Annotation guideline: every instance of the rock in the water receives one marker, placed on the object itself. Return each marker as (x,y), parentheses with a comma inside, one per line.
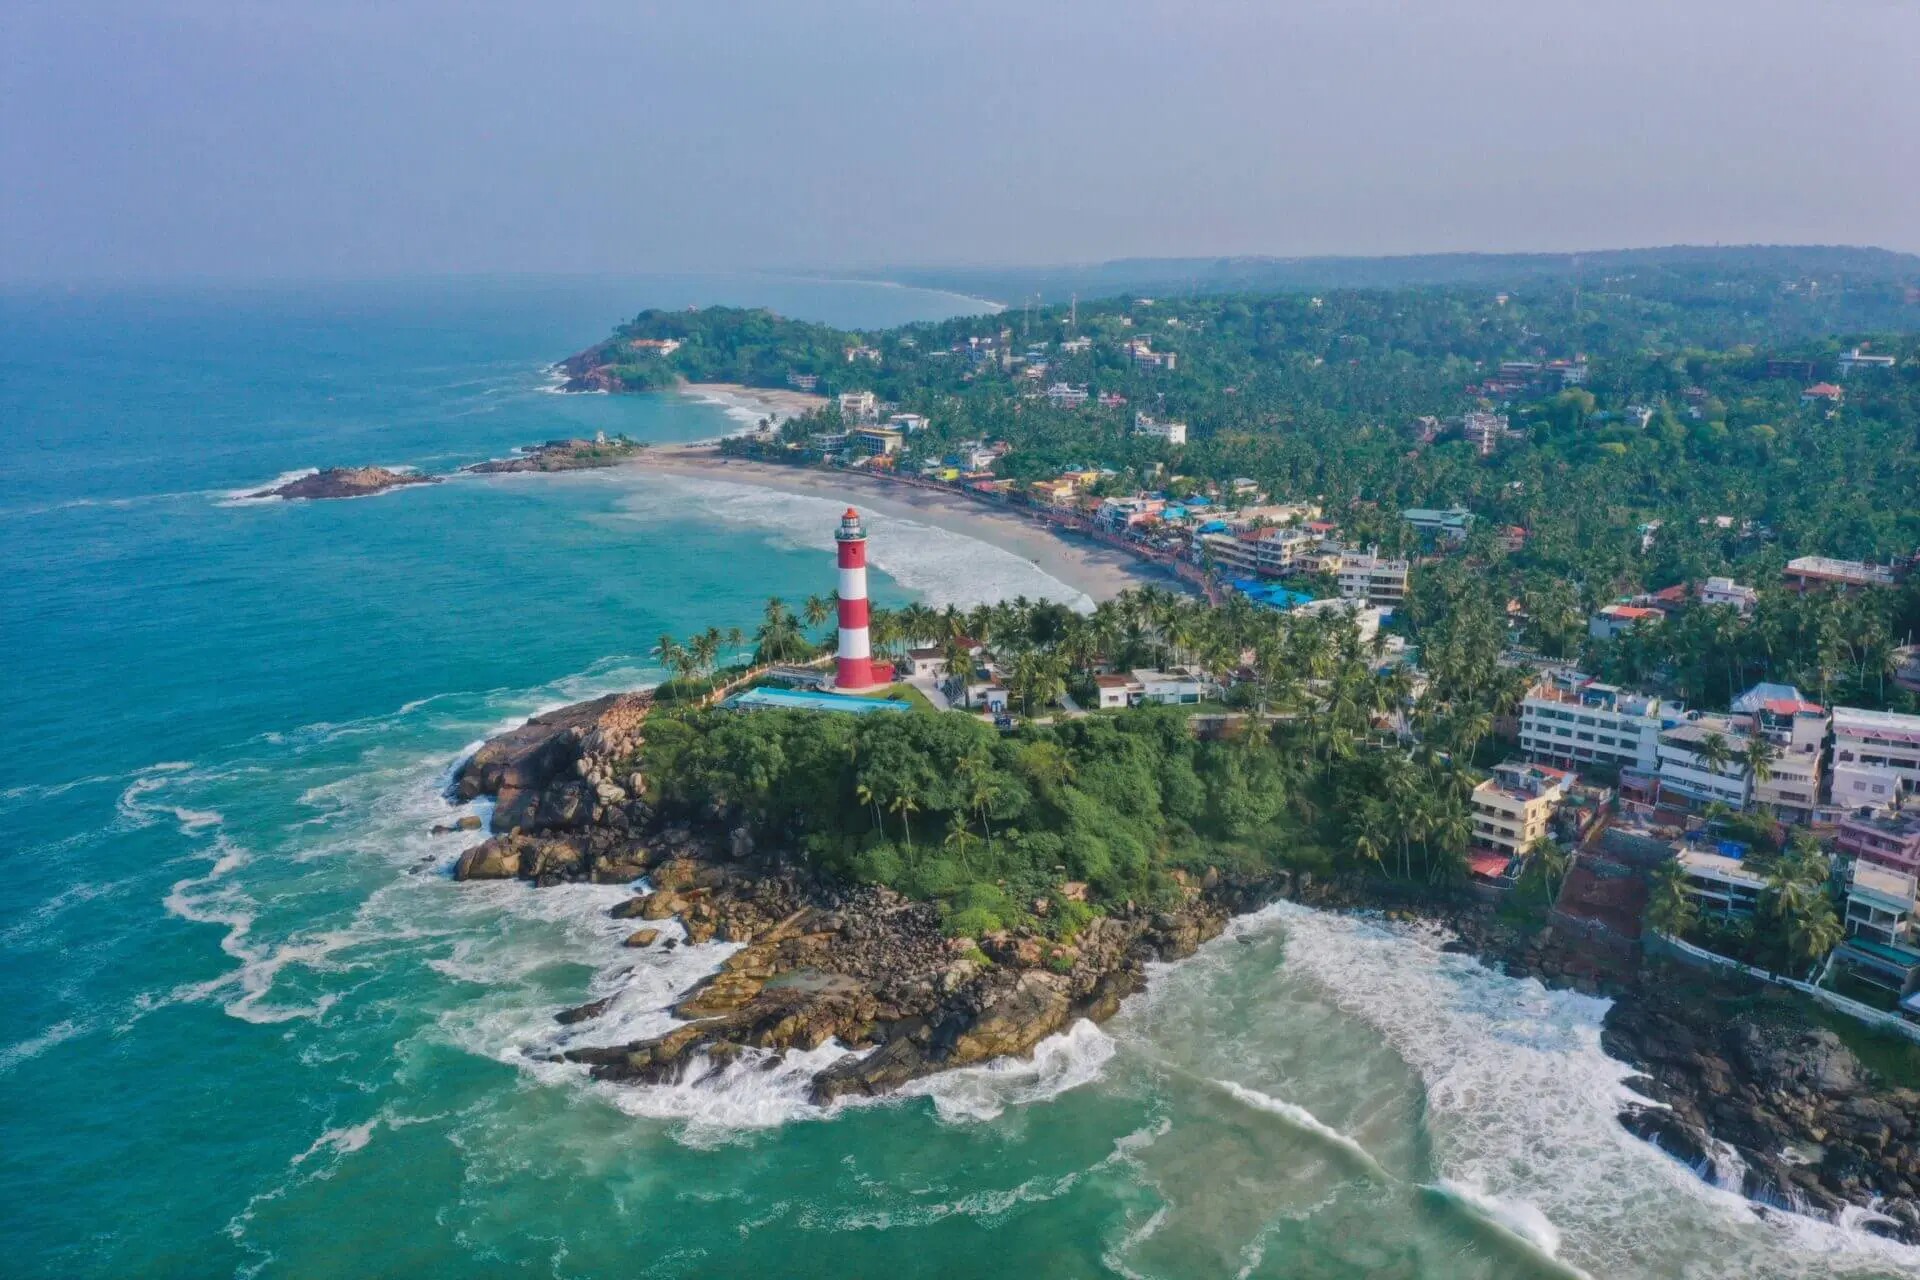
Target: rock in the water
(346,482)
(642,938)
(582,1013)
(495,859)
(563,455)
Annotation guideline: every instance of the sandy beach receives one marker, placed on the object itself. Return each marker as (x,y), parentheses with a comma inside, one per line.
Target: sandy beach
(767,402)
(1101,572)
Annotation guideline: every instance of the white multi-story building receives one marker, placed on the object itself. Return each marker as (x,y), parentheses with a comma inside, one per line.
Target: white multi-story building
(1806,573)
(1062,395)
(1375,579)
(1269,552)
(1719,881)
(1171,432)
(1175,686)
(1876,757)
(858,406)
(1728,592)
(1796,729)
(1485,431)
(1880,903)
(1857,359)
(1572,718)
(1511,809)
(1117,515)
(1686,772)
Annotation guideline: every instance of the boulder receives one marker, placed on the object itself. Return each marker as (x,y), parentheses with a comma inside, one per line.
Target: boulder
(495,859)
(582,1013)
(642,938)
(1034,1009)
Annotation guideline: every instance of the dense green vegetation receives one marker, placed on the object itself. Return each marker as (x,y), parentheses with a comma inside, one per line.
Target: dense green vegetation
(720,344)
(946,808)
(1688,449)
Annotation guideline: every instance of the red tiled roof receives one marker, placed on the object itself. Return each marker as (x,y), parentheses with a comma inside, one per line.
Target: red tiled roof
(1489,865)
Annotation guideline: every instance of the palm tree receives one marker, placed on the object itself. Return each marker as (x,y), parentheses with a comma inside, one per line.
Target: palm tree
(1814,930)
(818,609)
(664,648)
(958,840)
(1036,675)
(1370,834)
(903,804)
(1758,758)
(1550,862)
(778,638)
(1714,752)
(1670,908)
(866,795)
(705,649)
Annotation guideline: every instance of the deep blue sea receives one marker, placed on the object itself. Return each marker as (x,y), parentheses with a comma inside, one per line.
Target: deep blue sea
(249,1026)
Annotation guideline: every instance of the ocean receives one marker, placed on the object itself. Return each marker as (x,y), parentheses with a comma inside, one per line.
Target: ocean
(250,1027)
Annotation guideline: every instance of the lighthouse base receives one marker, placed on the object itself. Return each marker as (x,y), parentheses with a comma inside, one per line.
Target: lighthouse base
(863,676)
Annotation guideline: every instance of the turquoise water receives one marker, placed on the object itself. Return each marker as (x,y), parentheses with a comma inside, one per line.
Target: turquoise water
(248,1026)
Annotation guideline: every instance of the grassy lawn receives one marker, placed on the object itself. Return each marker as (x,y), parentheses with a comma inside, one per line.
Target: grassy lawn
(902,693)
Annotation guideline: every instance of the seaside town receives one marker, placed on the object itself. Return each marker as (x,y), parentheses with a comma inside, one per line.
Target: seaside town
(1706,829)
(935,642)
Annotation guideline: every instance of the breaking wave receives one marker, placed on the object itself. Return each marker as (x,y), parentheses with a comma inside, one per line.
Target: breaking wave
(939,565)
(1301,1118)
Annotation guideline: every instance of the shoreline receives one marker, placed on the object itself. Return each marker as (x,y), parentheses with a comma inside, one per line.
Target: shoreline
(763,402)
(1100,572)
(1704,1087)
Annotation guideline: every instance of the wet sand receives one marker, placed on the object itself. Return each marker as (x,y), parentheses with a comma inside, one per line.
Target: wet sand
(769,402)
(1102,572)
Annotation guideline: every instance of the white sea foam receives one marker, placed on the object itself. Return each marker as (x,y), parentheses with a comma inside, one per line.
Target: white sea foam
(1063,1061)
(745,410)
(1521,1104)
(937,564)
(1301,1118)
(341,1141)
(259,492)
(33,1046)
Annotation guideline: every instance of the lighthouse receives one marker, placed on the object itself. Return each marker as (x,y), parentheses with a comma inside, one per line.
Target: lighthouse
(854,666)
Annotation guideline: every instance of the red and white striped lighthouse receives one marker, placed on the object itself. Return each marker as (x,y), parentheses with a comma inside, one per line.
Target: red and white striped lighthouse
(854,667)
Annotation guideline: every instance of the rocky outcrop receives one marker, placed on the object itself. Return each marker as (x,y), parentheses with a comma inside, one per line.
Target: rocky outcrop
(1743,1071)
(598,368)
(571,770)
(563,455)
(346,482)
(821,961)
(869,969)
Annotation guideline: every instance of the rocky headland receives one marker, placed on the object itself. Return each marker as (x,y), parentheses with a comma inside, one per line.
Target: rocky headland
(821,960)
(345,482)
(1746,1087)
(563,455)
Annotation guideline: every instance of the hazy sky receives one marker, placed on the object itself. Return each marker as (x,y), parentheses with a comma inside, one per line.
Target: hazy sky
(352,137)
